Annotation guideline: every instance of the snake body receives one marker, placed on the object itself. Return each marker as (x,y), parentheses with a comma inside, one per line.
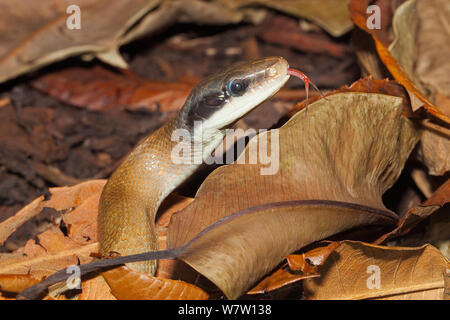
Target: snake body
(134,192)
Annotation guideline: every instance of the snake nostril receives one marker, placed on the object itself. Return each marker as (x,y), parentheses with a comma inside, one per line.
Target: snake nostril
(272,71)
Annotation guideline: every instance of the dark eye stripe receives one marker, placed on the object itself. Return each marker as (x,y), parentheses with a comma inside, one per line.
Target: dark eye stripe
(209,105)
(212,101)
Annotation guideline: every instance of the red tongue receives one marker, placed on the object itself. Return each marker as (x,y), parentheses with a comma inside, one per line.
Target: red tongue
(300,75)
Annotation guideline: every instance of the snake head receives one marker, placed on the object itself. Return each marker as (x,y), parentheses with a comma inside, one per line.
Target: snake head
(221,99)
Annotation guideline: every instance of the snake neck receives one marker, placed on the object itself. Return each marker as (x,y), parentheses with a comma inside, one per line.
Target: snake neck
(131,198)
(133,194)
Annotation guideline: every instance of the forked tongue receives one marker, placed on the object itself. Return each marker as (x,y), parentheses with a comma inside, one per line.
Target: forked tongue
(307,81)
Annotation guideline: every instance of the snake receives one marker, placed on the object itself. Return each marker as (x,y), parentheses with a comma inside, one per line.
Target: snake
(135,190)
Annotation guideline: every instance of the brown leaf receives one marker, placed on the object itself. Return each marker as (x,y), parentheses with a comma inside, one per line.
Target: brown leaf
(367,85)
(432,42)
(288,33)
(280,278)
(99,89)
(435,148)
(359,17)
(63,198)
(351,272)
(135,285)
(16,282)
(332,15)
(95,289)
(216,12)
(306,263)
(42,264)
(317,148)
(10,225)
(43,36)
(56,251)
(414,59)
(420,45)
(250,246)
(365,51)
(312,258)
(414,215)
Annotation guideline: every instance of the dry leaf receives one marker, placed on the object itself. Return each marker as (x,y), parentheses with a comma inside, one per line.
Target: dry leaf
(432,65)
(43,36)
(359,17)
(421,46)
(17,283)
(365,132)
(354,269)
(367,85)
(414,215)
(56,251)
(10,225)
(413,58)
(332,15)
(280,278)
(99,89)
(95,289)
(127,284)
(286,32)
(306,263)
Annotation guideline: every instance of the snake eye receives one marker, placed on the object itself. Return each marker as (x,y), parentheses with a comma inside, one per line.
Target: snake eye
(236,87)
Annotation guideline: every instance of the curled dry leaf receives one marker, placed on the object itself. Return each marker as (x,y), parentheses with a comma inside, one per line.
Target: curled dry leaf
(347,148)
(365,51)
(280,278)
(127,284)
(421,45)
(310,260)
(215,12)
(305,263)
(414,215)
(416,59)
(43,36)
(332,15)
(252,242)
(366,85)
(382,40)
(10,225)
(17,283)
(358,270)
